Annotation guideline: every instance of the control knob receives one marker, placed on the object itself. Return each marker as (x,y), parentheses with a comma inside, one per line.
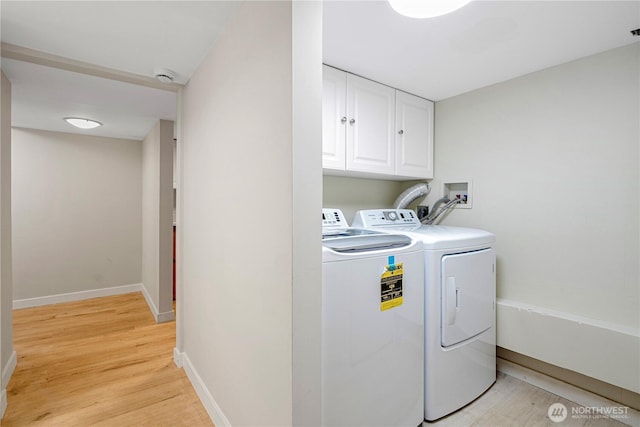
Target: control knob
(392,216)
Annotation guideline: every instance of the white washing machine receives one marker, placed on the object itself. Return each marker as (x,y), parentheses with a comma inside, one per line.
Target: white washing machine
(460,294)
(372,326)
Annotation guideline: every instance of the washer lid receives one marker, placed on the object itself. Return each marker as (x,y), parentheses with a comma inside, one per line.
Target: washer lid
(366,242)
(330,233)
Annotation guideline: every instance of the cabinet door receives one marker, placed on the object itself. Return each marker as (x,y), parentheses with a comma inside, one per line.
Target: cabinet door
(414,136)
(370,126)
(334,98)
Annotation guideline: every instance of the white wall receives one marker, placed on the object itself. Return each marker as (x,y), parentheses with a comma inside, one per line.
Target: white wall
(76,214)
(554,158)
(7,354)
(353,194)
(307,202)
(244,222)
(157,220)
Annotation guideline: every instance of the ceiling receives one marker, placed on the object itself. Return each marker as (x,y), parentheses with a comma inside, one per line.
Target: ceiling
(484,43)
(43,96)
(135,37)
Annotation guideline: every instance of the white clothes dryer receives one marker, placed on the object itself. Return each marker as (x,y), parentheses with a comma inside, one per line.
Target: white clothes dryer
(372,327)
(460,294)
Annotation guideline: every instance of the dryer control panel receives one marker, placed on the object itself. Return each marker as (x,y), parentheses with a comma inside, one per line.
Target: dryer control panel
(385,218)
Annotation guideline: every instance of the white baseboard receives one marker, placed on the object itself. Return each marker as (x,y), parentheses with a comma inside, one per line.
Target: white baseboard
(7,371)
(209,403)
(566,391)
(3,402)
(76,296)
(166,316)
(177,357)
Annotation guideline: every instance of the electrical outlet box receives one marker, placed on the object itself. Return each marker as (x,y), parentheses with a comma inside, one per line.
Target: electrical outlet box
(461,189)
(422,211)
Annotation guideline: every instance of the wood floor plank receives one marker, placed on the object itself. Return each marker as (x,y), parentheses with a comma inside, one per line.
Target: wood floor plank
(514,403)
(100,362)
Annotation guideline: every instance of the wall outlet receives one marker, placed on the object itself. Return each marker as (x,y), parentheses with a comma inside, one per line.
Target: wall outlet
(422,211)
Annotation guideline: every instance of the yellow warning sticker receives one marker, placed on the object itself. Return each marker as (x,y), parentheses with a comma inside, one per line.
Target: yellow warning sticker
(391,287)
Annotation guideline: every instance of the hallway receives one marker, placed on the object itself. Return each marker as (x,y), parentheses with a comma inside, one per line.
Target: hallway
(99,362)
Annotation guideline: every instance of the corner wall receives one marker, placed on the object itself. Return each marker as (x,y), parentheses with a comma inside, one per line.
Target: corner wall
(307,204)
(76,216)
(554,158)
(245,252)
(7,354)
(157,220)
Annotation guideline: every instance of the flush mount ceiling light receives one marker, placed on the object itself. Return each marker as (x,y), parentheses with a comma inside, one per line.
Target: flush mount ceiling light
(82,123)
(426,8)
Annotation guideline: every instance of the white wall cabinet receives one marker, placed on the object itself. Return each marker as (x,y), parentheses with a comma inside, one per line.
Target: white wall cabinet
(334,118)
(414,136)
(373,130)
(370,126)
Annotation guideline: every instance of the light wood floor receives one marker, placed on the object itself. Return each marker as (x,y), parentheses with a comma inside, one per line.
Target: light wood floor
(100,362)
(105,362)
(514,403)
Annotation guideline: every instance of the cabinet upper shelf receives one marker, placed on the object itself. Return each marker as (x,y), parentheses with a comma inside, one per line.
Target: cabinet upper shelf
(373,130)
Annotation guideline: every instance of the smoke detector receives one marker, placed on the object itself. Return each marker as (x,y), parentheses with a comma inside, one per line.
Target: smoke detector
(165,75)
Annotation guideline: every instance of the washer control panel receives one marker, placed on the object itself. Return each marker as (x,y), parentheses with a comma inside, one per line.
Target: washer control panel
(333,218)
(385,218)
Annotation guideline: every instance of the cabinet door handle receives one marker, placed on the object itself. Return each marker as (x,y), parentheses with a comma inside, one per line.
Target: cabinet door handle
(352,121)
(401,132)
(343,120)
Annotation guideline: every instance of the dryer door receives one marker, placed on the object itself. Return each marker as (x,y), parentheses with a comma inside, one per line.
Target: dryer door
(468,289)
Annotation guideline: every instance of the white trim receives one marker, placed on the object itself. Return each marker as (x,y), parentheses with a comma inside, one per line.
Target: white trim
(610,326)
(179,239)
(567,341)
(564,390)
(152,306)
(166,316)
(209,403)
(7,371)
(33,56)
(76,296)
(3,402)
(177,357)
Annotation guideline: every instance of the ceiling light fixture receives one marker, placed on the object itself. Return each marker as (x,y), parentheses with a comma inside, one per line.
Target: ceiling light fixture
(82,123)
(426,8)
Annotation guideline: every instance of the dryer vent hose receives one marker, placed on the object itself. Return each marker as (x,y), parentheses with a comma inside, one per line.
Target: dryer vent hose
(410,194)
